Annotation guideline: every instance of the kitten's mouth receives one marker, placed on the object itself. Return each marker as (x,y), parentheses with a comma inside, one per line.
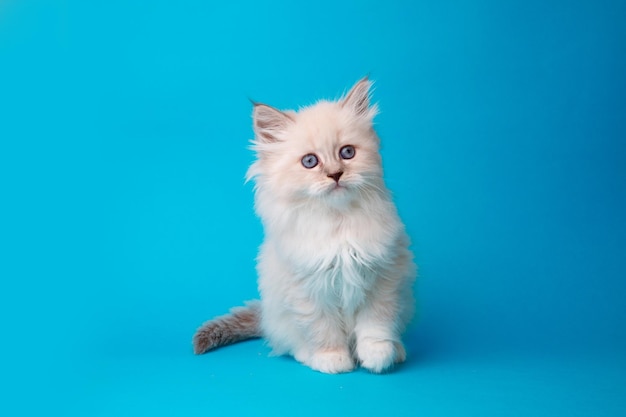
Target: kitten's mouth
(337,188)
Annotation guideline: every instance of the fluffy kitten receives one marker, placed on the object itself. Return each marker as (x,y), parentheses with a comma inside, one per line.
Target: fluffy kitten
(335,271)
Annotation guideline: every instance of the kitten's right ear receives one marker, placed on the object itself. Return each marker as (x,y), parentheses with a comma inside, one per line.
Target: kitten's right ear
(269,123)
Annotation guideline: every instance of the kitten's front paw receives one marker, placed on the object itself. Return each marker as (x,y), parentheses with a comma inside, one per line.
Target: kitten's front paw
(378,355)
(332,361)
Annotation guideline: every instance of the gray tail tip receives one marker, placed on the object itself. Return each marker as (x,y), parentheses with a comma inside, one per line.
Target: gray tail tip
(201,344)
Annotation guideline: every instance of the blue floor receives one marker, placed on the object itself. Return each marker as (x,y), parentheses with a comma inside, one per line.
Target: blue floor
(243,381)
(125,221)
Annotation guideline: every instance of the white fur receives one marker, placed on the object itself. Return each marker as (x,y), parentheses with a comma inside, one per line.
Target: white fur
(335,272)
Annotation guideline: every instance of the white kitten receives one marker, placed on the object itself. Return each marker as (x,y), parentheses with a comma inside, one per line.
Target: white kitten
(335,271)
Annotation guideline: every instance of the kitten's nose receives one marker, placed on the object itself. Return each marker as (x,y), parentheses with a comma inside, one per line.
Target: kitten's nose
(336,176)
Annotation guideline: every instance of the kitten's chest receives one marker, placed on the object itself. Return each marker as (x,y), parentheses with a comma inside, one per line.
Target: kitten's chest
(348,244)
(339,258)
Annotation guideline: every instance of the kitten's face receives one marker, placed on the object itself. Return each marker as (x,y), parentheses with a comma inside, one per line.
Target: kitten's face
(327,151)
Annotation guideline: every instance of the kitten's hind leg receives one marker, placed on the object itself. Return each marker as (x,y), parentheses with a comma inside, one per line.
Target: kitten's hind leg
(400,352)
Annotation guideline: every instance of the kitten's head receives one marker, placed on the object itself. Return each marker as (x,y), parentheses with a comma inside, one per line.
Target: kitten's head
(327,152)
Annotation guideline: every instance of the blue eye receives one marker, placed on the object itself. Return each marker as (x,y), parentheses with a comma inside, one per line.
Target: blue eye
(309,161)
(347,152)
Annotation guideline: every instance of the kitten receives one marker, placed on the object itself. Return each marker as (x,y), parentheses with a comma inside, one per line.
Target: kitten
(335,271)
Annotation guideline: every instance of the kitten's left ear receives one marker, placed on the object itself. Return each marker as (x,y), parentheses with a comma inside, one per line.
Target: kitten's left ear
(358,99)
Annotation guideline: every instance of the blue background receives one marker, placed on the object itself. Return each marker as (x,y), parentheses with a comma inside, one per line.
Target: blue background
(125,221)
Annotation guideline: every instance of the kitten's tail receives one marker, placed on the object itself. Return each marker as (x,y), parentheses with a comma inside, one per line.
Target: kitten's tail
(240,324)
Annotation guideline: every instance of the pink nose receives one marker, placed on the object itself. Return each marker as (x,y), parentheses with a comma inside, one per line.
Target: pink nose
(336,176)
